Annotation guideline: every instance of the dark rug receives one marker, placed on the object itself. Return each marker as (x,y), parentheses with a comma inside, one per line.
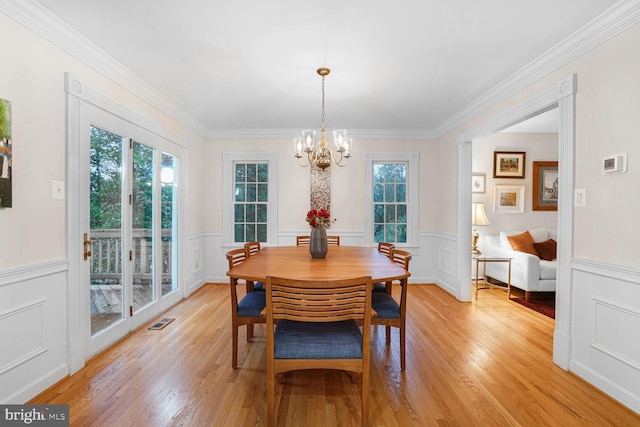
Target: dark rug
(544,306)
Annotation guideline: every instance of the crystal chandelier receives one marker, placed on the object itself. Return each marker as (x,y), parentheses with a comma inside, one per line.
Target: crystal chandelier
(322,156)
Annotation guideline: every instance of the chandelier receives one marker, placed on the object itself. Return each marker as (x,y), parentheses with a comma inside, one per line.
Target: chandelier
(322,155)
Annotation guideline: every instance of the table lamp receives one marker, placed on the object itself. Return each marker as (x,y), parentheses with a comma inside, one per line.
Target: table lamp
(478,217)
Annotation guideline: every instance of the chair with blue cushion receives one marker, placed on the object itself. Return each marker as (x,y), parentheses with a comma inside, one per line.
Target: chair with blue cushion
(245,311)
(392,313)
(384,248)
(314,325)
(254,248)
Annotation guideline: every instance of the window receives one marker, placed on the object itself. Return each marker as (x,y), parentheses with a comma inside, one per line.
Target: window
(391,198)
(251,183)
(390,202)
(250,209)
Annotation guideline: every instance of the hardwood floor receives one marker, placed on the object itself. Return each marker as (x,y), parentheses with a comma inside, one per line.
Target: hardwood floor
(486,363)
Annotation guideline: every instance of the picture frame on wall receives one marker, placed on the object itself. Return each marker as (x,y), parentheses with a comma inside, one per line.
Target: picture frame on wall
(509,164)
(508,199)
(478,183)
(545,186)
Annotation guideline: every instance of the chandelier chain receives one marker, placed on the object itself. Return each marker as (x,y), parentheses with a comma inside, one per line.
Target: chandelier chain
(323,104)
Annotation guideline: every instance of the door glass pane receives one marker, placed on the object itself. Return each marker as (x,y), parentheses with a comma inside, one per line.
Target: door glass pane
(169,221)
(105,208)
(142,223)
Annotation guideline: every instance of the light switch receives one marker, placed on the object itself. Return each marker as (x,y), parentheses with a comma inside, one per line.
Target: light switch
(580,198)
(57,188)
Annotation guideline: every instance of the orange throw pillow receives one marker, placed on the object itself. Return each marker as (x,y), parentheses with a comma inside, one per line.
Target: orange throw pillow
(523,243)
(547,249)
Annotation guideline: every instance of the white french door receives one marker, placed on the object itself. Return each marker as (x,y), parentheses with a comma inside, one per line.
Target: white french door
(129,225)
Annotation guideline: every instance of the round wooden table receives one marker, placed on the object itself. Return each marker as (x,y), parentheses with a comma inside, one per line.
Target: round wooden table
(341,262)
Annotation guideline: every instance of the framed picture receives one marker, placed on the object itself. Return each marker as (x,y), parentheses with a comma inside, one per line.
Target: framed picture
(508,199)
(545,186)
(508,164)
(478,183)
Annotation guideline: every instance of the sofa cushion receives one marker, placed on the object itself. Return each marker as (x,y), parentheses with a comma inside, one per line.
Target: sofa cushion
(548,270)
(523,243)
(547,249)
(504,242)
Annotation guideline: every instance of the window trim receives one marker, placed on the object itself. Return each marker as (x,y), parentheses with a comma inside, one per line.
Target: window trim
(412,159)
(229,159)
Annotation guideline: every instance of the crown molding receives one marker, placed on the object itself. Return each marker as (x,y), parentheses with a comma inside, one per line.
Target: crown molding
(610,23)
(357,134)
(41,21)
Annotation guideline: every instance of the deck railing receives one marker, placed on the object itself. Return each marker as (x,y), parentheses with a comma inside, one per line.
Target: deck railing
(106,254)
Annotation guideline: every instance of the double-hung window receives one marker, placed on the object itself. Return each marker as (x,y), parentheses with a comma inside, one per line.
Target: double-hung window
(250,192)
(391,198)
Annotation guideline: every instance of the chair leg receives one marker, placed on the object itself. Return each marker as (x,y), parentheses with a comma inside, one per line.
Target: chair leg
(388,332)
(234,346)
(402,353)
(249,332)
(271,397)
(364,378)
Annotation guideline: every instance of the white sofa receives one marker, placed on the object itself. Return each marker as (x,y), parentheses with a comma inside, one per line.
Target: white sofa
(528,272)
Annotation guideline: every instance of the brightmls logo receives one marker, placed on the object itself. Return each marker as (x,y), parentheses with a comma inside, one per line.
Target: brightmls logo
(34,415)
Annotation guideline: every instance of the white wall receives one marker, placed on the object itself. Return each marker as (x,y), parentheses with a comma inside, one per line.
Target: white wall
(538,147)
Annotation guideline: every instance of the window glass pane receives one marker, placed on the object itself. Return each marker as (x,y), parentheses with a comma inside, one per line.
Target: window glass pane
(263,172)
(239,213)
(263,191)
(238,233)
(378,193)
(169,222)
(250,214)
(389,170)
(252,173)
(389,193)
(262,232)
(261,214)
(402,214)
(240,193)
(241,172)
(401,233)
(378,173)
(401,173)
(378,233)
(250,233)
(401,193)
(390,214)
(390,233)
(251,193)
(378,213)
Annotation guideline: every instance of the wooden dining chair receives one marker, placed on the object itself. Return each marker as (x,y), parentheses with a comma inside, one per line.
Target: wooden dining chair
(392,313)
(247,310)
(384,248)
(314,325)
(306,240)
(254,248)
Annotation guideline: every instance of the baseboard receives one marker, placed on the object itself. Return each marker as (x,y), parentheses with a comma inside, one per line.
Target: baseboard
(29,391)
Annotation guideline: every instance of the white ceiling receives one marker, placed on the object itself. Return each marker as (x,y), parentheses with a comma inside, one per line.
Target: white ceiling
(402,66)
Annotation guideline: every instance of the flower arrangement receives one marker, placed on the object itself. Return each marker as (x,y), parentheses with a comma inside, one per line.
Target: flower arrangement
(318,217)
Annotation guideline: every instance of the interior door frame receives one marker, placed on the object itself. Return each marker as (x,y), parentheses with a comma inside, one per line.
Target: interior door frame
(78,97)
(562,95)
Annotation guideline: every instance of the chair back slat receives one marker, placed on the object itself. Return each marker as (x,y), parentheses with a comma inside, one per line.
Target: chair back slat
(303,240)
(253,247)
(400,257)
(237,256)
(385,247)
(333,240)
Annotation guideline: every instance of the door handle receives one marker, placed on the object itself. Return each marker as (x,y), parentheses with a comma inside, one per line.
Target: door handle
(87,246)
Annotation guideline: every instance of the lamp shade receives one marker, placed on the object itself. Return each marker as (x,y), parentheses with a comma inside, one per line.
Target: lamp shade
(478,216)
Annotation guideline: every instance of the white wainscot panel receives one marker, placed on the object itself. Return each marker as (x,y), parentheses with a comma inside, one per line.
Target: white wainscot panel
(616,342)
(18,346)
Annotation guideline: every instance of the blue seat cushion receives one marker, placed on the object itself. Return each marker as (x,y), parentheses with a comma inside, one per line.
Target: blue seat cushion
(331,340)
(385,306)
(258,286)
(252,304)
(379,287)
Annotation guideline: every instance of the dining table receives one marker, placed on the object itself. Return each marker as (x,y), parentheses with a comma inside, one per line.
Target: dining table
(341,262)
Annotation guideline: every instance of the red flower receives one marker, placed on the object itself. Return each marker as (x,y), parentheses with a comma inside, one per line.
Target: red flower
(318,217)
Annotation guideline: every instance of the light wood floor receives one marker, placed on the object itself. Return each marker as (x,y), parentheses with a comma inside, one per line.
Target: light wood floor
(468,364)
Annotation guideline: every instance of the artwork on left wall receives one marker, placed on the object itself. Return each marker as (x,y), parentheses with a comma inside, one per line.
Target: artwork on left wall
(6,162)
